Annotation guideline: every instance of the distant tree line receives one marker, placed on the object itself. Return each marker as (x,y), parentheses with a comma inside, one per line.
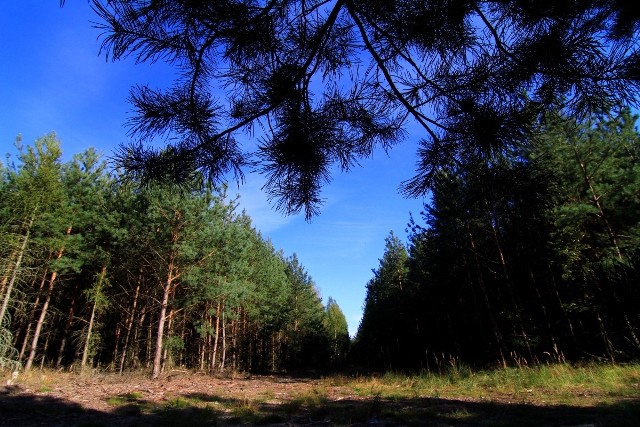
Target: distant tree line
(529,256)
(97,273)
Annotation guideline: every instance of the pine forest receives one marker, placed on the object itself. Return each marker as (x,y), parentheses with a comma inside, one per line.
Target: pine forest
(97,273)
(530,256)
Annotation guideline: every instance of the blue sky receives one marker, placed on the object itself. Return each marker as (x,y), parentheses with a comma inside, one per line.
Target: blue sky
(54,80)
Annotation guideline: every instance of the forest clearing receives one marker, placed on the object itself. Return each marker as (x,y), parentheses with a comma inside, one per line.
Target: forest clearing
(546,395)
(137,290)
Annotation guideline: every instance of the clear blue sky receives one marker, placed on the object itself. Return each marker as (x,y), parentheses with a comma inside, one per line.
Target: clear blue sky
(54,80)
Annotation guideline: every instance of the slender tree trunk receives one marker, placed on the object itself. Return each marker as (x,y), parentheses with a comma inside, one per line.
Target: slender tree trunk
(234,340)
(43,313)
(605,337)
(596,201)
(166,354)
(32,314)
(183,338)
(612,238)
(224,342)
(496,329)
(40,323)
(25,340)
(87,342)
(116,347)
(136,338)
(273,352)
(503,264)
(16,268)
(206,339)
(545,314)
(157,359)
(150,344)
(44,352)
(167,288)
(8,270)
(65,332)
(21,321)
(556,293)
(129,327)
(216,339)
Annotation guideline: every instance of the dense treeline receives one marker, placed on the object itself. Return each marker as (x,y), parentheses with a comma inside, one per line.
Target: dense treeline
(94,272)
(529,256)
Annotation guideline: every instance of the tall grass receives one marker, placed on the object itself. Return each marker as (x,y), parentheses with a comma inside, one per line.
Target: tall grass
(560,383)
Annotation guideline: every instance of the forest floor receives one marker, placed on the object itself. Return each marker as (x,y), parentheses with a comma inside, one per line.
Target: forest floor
(590,398)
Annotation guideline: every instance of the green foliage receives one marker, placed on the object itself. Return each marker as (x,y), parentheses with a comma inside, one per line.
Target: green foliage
(309,344)
(328,83)
(377,343)
(8,354)
(528,257)
(116,250)
(337,329)
(596,172)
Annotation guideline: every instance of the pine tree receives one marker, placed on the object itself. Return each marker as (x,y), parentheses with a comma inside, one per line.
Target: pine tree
(337,329)
(378,339)
(330,82)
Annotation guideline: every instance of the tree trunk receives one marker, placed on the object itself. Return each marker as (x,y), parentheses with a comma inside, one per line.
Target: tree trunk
(205,339)
(116,347)
(492,220)
(612,238)
(44,352)
(183,336)
(172,275)
(157,359)
(596,201)
(494,324)
(43,313)
(16,268)
(166,354)
(224,343)
(605,337)
(32,315)
(67,328)
(87,342)
(130,320)
(8,269)
(216,339)
(136,334)
(148,360)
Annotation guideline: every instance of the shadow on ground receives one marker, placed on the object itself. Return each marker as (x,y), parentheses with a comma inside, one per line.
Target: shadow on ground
(18,408)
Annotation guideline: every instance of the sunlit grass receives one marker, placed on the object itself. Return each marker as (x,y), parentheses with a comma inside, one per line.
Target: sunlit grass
(124,399)
(557,383)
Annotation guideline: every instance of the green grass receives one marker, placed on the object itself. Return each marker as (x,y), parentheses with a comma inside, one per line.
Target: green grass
(45,389)
(124,399)
(558,383)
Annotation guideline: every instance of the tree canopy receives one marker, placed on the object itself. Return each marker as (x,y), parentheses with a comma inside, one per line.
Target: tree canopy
(94,272)
(537,261)
(323,83)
